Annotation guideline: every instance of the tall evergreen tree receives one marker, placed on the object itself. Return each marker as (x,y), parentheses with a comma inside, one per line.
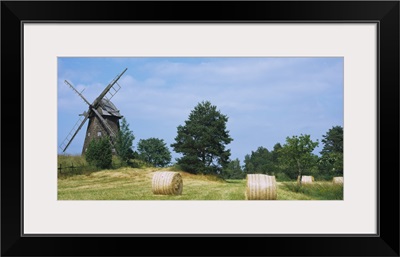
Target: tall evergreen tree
(331,160)
(202,140)
(333,140)
(124,142)
(277,166)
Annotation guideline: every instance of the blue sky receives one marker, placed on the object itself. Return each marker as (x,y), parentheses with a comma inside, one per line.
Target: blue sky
(265,99)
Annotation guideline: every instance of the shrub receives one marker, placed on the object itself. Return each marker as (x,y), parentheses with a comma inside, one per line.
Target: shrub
(154,151)
(68,165)
(175,167)
(280,176)
(99,153)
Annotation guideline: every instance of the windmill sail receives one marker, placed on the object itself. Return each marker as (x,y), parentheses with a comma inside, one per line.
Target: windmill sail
(105,124)
(113,90)
(76,91)
(75,129)
(107,89)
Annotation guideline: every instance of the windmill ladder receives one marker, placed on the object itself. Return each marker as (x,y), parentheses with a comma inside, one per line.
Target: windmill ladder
(64,143)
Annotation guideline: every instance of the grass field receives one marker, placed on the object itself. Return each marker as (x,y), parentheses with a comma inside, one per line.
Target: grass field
(135,184)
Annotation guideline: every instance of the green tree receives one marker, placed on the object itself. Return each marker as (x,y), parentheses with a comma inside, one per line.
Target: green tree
(276,153)
(297,154)
(202,140)
(277,167)
(259,161)
(331,160)
(124,142)
(154,151)
(234,170)
(99,153)
(333,140)
(331,164)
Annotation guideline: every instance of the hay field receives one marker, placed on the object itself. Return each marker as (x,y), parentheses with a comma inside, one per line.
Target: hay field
(136,184)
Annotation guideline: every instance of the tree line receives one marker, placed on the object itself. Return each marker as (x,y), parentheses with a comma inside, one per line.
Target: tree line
(202,142)
(294,158)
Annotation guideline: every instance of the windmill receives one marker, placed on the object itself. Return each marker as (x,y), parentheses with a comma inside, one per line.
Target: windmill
(102,114)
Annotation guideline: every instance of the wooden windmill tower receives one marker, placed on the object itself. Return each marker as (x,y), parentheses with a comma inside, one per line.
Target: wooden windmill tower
(102,114)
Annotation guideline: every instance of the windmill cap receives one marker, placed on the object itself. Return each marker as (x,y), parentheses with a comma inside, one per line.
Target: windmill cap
(109,108)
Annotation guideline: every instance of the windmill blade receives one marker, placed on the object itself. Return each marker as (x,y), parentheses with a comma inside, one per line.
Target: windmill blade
(108,128)
(105,124)
(76,91)
(74,131)
(113,90)
(96,102)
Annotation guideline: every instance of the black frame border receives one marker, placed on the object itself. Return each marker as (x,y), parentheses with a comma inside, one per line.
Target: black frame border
(383,13)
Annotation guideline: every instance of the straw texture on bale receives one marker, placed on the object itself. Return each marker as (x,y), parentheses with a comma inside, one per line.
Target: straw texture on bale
(337,180)
(167,183)
(306,179)
(260,187)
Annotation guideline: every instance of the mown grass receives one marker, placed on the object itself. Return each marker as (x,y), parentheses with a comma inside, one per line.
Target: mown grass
(135,184)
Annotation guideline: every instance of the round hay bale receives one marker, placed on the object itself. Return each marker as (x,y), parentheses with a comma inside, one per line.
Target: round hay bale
(306,179)
(167,183)
(337,180)
(260,187)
